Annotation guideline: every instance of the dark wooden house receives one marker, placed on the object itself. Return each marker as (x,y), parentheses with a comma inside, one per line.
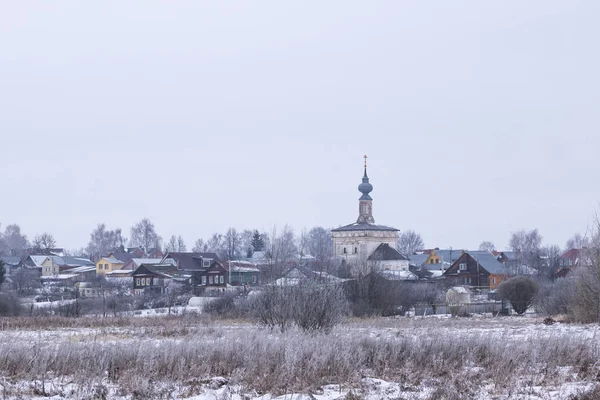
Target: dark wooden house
(478,269)
(152,277)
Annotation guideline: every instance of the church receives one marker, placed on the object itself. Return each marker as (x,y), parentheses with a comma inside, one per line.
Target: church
(364,245)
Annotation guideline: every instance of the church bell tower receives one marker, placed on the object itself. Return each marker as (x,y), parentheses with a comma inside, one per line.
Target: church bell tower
(365,202)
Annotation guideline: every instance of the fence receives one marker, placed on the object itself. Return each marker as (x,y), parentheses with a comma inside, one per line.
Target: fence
(462,309)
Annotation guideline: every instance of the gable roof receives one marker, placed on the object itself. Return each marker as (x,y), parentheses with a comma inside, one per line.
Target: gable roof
(111,260)
(398,275)
(418,259)
(11,261)
(121,256)
(166,270)
(449,255)
(189,261)
(385,252)
(488,262)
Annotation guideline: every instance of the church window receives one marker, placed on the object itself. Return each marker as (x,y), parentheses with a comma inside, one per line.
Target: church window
(356,250)
(344,251)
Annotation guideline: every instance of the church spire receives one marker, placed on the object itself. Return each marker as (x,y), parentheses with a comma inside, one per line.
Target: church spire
(365,206)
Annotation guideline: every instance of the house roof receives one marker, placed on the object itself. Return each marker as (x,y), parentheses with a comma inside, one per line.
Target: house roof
(449,255)
(418,259)
(190,261)
(8,260)
(488,262)
(364,227)
(158,269)
(571,254)
(113,260)
(140,261)
(82,269)
(235,268)
(385,252)
(75,261)
(398,275)
(122,256)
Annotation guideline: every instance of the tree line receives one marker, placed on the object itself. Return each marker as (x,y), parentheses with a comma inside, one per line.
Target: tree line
(279,245)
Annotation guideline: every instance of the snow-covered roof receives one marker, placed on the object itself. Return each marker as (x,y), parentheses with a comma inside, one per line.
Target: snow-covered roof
(120,272)
(59,277)
(82,269)
(402,275)
(38,260)
(140,261)
(112,260)
(235,268)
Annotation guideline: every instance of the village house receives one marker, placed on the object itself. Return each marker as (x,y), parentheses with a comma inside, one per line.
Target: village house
(108,264)
(243,273)
(153,278)
(387,258)
(478,269)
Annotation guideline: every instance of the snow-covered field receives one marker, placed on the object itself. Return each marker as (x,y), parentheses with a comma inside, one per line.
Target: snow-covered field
(194,357)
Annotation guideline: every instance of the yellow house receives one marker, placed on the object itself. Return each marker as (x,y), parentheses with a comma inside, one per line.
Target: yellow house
(108,264)
(49,267)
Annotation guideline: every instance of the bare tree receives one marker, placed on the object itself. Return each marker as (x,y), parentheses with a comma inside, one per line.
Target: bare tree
(246,242)
(577,241)
(551,254)
(233,244)
(103,241)
(200,246)
(282,247)
(44,241)
(216,245)
(144,234)
(15,241)
(176,244)
(320,245)
(527,246)
(24,280)
(409,242)
(487,246)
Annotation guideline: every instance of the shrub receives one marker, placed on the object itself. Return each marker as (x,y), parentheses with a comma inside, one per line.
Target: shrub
(554,297)
(10,305)
(310,306)
(221,306)
(374,295)
(520,291)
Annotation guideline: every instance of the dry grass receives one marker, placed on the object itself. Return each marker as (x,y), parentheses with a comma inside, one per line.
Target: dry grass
(145,355)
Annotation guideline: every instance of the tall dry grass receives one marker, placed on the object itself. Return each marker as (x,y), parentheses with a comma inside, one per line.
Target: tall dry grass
(275,362)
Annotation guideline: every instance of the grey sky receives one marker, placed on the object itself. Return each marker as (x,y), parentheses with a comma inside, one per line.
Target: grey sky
(479,118)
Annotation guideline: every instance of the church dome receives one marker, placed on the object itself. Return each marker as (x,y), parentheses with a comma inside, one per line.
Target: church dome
(365,187)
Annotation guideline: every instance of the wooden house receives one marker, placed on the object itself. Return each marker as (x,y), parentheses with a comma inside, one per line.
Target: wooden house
(478,269)
(152,277)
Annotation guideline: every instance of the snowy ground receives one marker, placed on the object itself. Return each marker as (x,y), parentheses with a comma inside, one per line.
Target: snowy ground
(539,379)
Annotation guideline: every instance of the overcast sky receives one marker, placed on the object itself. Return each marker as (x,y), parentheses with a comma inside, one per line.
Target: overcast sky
(479,118)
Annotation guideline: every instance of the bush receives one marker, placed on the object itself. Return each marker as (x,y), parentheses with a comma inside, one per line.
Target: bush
(374,295)
(584,297)
(553,298)
(222,306)
(309,306)
(10,305)
(520,291)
